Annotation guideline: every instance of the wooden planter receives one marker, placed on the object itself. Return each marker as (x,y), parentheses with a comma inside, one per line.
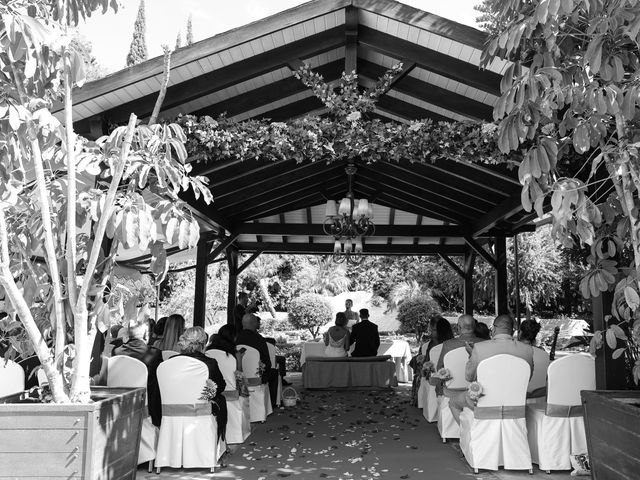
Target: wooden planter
(96,441)
(612,421)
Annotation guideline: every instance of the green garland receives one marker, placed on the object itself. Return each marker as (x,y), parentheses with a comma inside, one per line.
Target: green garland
(346,134)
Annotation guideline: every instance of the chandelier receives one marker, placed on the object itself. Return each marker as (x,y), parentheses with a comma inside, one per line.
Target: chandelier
(347,222)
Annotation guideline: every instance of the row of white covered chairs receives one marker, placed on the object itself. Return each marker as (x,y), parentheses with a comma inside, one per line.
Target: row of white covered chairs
(508,430)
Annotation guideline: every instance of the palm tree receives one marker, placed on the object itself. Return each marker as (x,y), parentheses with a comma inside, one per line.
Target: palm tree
(321,275)
(263,269)
(407,290)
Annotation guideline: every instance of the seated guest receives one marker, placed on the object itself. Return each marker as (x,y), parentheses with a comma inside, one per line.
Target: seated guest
(466,327)
(250,337)
(191,344)
(136,347)
(502,341)
(173,329)
(224,340)
(336,338)
(156,330)
(365,336)
(441,333)
(529,330)
(482,331)
(239,311)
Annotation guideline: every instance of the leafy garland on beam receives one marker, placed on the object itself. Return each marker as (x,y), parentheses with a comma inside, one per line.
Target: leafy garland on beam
(346,133)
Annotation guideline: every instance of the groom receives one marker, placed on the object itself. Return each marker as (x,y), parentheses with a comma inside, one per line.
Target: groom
(364,335)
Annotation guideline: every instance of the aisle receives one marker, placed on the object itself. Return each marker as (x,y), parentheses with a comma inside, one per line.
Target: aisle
(346,435)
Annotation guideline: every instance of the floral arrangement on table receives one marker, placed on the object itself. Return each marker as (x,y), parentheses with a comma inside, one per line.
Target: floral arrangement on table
(210,391)
(241,384)
(474,392)
(441,376)
(428,368)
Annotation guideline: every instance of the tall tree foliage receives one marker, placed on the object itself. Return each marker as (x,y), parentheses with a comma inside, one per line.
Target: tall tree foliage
(189,30)
(179,41)
(569,107)
(138,49)
(61,195)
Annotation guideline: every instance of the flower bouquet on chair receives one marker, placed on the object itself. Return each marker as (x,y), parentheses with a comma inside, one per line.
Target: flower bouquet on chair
(241,384)
(474,392)
(209,393)
(428,369)
(262,368)
(440,377)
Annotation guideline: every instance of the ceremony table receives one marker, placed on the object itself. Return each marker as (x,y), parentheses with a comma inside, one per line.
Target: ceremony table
(398,350)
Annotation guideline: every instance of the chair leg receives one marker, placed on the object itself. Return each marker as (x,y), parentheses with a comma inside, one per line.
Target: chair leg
(444,440)
(157,470)
(213,469)
(150,466)
(475,470)
(531,471)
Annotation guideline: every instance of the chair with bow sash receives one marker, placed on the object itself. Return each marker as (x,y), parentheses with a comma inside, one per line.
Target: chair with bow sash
(430,398)
(167,354)
(259,398)
(455,361)
(189,432)
(556,427)
(495,432)
(272,357)
(422,389)
(11,378)
(238,414)
(123,371)
(538,379)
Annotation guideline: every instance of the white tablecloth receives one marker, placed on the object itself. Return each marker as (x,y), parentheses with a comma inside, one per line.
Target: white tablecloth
(398,349)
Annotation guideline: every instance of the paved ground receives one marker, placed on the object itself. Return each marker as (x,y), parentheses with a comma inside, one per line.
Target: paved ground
(347,436)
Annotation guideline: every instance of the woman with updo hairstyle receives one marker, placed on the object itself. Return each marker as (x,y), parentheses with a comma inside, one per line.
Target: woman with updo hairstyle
(192,343)
(336,338)
(529,330)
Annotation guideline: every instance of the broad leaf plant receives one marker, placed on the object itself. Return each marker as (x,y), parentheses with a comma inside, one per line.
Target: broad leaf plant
(68,204)
(569,111)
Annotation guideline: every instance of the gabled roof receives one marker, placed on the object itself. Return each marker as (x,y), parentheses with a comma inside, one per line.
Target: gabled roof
(247,73)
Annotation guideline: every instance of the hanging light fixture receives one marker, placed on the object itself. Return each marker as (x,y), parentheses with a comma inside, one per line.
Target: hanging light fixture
(348,221)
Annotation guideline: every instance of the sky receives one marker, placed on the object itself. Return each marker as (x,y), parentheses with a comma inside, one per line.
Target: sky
(111,34)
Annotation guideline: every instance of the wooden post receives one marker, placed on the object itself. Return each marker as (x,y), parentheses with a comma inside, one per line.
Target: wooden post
(516,279)
(610,373)
(501,303)
(469,264)
(232,261)
(200,290)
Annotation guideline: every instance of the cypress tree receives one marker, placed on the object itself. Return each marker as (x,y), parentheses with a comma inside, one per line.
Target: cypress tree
(189,31)
(138,48)
(178,41)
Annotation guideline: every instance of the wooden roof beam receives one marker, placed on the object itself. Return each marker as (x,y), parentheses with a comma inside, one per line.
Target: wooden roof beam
(452,265)
(479,249)
(210,212)
(369,249)
(351,40)
(507,208)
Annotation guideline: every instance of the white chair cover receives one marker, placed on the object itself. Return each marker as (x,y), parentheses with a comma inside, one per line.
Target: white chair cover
(123,371)
(430,399)
(167,354)
(495,433)
(272,357)
(422,387)
(556,427)
(259,399)
(238,414)
(11,378)
(540,365)
(455,361)
(188,433)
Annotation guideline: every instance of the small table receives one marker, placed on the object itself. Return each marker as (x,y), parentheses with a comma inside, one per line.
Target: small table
(398,350)
(349,373)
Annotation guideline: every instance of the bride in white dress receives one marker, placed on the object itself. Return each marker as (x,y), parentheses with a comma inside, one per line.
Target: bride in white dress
(336,338)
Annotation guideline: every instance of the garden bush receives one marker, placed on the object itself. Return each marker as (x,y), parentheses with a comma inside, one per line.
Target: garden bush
(414,315)
(292,355)
(311,312)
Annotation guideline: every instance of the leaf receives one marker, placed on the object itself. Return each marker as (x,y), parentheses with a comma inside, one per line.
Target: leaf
(170,230)
(617,352)
(611,339)
(77,69)
(631,297)
(183,234)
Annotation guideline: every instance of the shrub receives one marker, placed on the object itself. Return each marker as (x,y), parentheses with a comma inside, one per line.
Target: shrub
(414,315)
(292,355)
(310,311)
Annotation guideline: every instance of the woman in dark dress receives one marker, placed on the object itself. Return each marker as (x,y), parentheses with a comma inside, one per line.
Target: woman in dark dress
(192,343)
(224,340)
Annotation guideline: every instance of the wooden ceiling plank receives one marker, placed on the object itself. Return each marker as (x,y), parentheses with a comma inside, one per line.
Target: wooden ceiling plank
(416,240)
(431,60)
(284,113)
(392,201)
(282,220)
(407,110)
(351,40)
(309,221)
(392,217)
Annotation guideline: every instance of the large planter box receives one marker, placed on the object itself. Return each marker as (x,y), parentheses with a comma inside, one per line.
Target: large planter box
(612,421)
(96,441)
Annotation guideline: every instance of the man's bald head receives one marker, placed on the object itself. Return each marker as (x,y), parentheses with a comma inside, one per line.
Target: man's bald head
(466,323)
(250,322)
(503,324)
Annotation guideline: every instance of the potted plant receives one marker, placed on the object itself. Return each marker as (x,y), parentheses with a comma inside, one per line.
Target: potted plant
(66,205)
(567,117)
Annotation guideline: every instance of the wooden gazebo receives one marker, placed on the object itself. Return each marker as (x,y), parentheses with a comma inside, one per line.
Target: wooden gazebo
(442,208)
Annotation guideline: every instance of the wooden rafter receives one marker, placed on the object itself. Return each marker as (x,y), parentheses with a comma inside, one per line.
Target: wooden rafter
(369,249)
(479,249)
(453,265)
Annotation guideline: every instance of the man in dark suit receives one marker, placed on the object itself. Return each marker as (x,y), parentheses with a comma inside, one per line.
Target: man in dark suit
(240,310)
(136,347)
(364,335)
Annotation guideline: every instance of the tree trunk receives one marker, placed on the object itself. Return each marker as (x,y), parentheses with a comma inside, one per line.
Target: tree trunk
(266,297)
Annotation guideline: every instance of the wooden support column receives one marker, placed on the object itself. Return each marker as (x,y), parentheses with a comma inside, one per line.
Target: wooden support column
(469,264)
(200,290)
(610,373)
(501,293)
(232,262)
